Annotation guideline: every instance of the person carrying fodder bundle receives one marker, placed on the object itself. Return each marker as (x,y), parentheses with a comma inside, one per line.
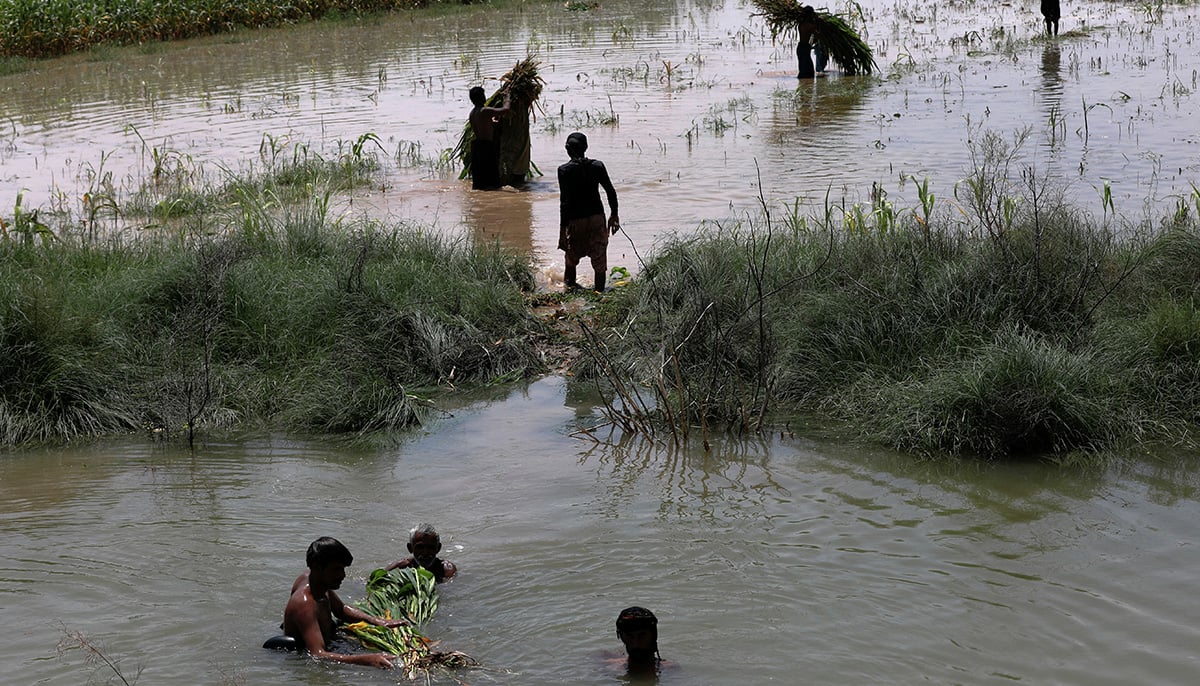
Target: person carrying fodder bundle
(507,127)
(831,32)
(485,148)
(313,605)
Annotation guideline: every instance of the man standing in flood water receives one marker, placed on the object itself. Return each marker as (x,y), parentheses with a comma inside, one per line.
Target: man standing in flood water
(1051,12)
(485,148)
(582,231)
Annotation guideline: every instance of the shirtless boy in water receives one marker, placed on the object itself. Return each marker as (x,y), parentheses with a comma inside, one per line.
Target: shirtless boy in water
(424,543)
(309,615)
(485,148)
(637,628)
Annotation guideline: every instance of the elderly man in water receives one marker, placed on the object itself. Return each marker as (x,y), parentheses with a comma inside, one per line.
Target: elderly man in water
(424,543)
(308,617)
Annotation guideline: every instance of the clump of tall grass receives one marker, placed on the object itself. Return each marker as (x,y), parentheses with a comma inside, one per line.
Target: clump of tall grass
(1016,396)
(1019,329)
(279,315)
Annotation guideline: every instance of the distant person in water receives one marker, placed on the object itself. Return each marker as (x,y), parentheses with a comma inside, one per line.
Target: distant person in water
(424,543)
(1051,13)
(308,617)
(485,144)
(637,628)
(582,231)
(806,33)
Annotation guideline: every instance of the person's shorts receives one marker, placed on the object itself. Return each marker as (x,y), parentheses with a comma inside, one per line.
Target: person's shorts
(587,237)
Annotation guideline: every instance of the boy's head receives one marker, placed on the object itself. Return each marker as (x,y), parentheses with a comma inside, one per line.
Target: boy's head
(424,543)
(576,145)
(478,98)
(326,550)
(637,628)
(327,561)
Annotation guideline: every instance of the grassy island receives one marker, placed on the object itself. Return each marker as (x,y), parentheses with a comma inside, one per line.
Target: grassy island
(1003,323)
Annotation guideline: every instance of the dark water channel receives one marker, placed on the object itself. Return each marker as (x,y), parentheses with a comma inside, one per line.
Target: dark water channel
(780,560)
(693,107)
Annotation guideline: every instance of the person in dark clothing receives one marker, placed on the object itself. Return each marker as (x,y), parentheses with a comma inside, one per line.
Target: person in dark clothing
(485,148)
(582,231)
(806,33)
(1051,13)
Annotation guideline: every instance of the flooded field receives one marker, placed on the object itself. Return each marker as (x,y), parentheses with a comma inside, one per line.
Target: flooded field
(693,107)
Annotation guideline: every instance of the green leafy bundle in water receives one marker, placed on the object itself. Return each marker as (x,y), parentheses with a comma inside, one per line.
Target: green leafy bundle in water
(409,594)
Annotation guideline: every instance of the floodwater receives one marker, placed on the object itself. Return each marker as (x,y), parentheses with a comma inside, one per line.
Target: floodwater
(778,560)
(781,560)
(695,110)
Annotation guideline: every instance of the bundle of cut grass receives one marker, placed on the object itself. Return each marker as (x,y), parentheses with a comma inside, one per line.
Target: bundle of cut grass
(788,18)
(523,85)
(410,594)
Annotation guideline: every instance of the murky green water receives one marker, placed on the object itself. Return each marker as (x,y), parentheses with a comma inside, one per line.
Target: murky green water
(694,109)
(777,560)
(772,561)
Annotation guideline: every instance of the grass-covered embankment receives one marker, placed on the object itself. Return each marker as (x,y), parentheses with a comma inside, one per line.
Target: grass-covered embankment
(1016,327)
(46,28)
(279,317)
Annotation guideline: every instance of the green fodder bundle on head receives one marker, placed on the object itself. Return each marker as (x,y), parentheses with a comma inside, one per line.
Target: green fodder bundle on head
(788,18)
(523,85)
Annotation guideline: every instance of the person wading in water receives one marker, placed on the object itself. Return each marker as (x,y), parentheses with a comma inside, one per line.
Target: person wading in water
(485,148)
(582,231)
(637,628)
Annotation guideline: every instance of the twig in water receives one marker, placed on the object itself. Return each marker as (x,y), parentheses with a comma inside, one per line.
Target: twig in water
(93,654)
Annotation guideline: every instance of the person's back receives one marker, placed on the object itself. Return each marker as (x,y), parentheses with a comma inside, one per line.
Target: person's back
(582,230)
(579,186)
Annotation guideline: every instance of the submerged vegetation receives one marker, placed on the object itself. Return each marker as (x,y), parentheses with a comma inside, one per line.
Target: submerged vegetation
(1001,324)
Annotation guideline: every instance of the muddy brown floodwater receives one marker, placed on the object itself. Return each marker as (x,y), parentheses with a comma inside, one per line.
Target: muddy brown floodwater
(695,110)
(777,560)
(771,560)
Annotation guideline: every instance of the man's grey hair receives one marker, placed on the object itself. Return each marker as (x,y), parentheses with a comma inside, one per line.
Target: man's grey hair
(425,529)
